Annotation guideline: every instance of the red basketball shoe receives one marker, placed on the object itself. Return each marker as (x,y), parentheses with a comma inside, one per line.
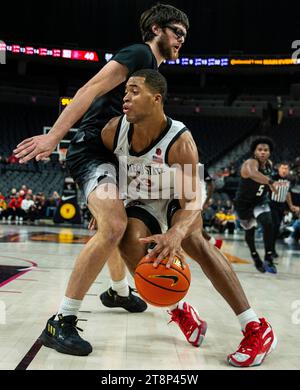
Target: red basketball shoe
(258,342)
(189,322)
(219,243)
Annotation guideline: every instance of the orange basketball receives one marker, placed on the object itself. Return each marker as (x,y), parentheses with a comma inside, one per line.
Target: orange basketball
(162,286)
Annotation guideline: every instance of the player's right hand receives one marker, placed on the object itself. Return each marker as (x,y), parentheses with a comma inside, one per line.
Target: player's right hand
(167,245)
(39,146)
(274,188)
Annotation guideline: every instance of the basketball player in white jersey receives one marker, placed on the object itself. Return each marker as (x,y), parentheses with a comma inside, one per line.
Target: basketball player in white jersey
(152,142)
(151,145)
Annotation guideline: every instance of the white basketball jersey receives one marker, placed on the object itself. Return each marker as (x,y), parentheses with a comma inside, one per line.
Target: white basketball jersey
(146,178)
(148,171)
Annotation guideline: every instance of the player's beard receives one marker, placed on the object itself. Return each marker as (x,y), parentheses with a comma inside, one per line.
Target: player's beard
(165,48)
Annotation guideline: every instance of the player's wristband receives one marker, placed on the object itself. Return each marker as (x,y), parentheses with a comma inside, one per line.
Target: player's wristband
(271,182)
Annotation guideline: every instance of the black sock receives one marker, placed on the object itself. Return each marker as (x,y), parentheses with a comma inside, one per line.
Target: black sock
(266,221)
(249,237)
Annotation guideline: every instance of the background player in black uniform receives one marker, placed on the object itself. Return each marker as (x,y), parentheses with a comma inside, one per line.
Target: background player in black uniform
(252,200)
(280,200)
(164,30)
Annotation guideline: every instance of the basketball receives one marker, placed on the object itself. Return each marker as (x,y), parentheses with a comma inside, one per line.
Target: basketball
(162,286)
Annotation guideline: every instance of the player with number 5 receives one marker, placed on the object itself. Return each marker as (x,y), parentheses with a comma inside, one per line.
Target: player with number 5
(252,201)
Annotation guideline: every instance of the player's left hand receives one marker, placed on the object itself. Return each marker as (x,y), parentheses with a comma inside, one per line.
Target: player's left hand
(39,147)
(167,245)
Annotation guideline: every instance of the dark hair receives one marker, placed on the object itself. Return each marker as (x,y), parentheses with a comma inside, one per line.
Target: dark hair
(160,14)
(283,163)
(154,80)
(262,140)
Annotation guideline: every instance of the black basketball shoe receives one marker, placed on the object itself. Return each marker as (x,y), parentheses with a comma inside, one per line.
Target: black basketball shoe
(62,336)
(269,264)
(259,265)
(132,303)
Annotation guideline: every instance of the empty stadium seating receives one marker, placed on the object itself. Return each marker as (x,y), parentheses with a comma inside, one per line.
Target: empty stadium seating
(47,179)
(217,135)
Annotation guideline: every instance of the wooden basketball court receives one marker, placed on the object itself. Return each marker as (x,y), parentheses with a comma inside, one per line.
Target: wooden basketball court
(35,264)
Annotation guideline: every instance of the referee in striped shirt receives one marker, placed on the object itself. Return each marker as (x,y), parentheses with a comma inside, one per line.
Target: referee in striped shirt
(279,200)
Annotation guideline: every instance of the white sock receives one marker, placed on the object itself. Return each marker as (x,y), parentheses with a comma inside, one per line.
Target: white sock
(178,305)
(246,317)
(121,287)
(69,307)
(212,240)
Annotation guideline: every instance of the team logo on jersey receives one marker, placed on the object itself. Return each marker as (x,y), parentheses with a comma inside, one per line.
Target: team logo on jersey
(157,156)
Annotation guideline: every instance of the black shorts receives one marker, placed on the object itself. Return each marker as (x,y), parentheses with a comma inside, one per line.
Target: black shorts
(244,210)
(88,161)
(248,212)
(139,211)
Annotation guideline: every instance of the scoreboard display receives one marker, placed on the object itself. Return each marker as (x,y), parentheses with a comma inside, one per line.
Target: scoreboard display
(185,61)
(69,54)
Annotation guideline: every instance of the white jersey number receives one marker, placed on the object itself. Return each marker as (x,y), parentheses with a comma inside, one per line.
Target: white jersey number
(260,190)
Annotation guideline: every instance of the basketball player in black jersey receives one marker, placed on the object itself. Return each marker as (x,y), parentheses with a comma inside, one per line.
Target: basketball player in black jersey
(252,200)
(164,29)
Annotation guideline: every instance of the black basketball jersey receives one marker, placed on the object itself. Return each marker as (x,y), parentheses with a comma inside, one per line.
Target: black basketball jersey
(250,191)
(134,57)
